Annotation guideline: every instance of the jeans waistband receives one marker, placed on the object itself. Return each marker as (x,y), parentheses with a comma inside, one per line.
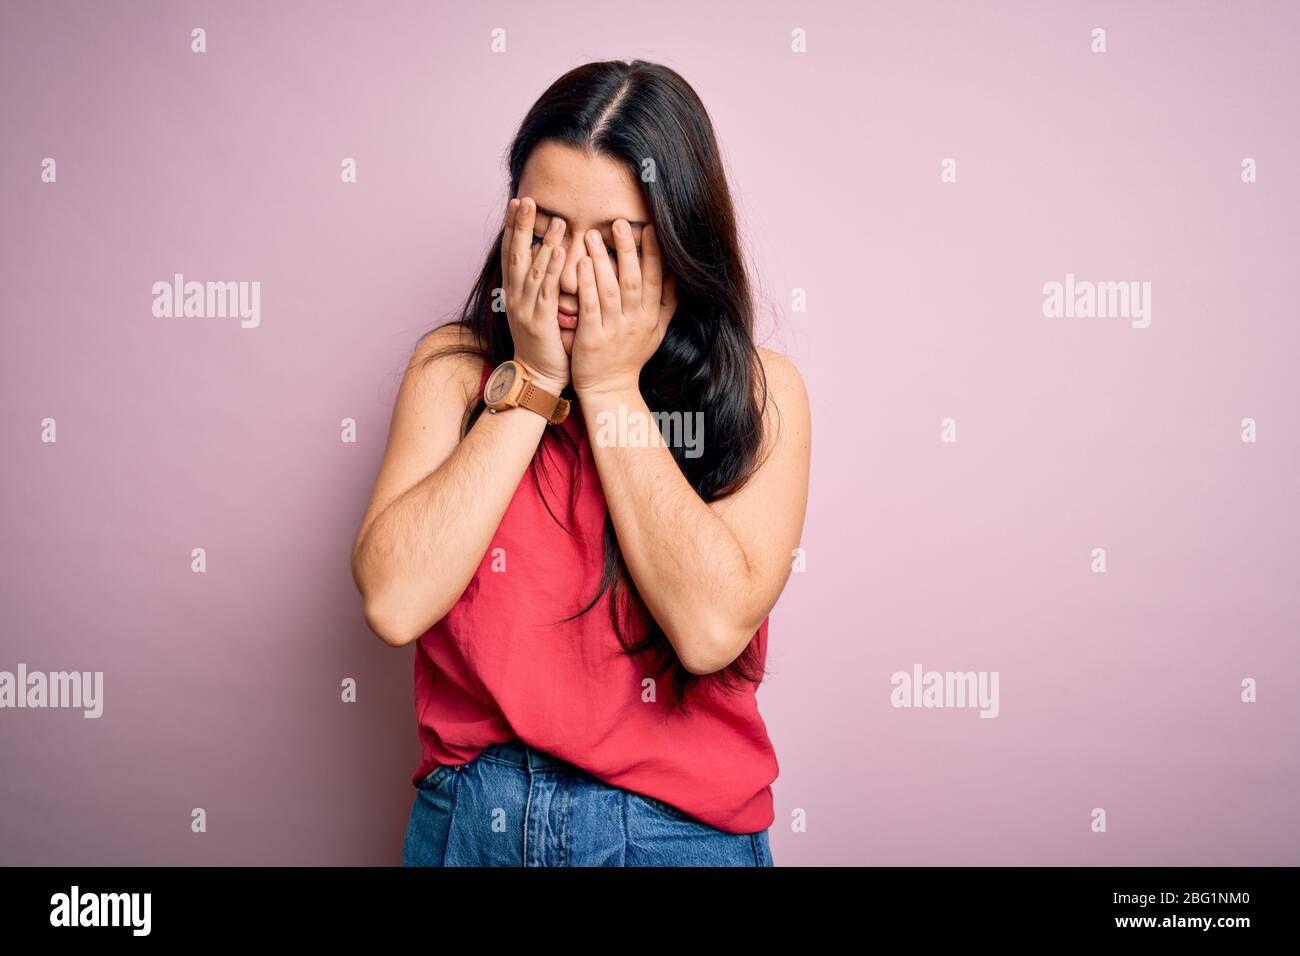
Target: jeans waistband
(519,754)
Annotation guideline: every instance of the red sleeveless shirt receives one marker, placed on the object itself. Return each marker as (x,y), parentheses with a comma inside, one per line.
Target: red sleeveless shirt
(497,667)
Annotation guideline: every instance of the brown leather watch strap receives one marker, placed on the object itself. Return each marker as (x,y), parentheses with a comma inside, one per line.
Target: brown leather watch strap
(551,407)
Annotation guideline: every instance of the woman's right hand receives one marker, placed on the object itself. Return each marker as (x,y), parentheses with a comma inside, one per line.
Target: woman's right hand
(531,281)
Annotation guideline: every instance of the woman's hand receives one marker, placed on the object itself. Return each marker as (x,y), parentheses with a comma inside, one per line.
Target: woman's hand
(621,318)
(531,280)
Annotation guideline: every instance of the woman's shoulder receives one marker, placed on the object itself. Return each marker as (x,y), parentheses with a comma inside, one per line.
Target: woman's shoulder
(786,417)
(451,335)
(451,351)
(782,378)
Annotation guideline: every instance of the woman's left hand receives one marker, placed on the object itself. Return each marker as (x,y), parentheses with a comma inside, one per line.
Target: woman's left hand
(622,317)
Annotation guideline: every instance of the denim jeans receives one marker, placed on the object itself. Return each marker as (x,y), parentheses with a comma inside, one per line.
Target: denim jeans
(514,805)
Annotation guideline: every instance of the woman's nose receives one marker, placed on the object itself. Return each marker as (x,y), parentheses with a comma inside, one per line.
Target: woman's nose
(573,251)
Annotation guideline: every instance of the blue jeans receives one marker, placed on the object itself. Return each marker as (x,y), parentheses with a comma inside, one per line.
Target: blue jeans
(514,805)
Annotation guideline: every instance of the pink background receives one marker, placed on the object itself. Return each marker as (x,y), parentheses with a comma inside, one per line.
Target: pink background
(1118,691)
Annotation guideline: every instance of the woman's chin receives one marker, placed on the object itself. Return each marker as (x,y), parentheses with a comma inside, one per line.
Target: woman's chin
(566,339)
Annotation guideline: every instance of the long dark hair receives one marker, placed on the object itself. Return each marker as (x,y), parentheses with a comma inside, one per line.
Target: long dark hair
(708,361)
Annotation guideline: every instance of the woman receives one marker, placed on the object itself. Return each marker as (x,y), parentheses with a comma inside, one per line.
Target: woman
(589,641)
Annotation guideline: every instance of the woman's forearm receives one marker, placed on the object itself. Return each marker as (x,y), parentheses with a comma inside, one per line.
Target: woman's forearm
(688,566)
(419,554)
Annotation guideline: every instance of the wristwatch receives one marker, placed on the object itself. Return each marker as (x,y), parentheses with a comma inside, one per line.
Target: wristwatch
(511,385)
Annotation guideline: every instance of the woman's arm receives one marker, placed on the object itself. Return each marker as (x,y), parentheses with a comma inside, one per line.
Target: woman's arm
(709,572)
(437,501)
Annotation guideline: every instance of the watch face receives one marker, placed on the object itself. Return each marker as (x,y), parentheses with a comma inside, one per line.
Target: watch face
(498,386)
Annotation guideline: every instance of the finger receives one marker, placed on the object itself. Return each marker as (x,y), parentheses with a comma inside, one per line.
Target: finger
(652,273)
(606,281)
(652,268)
(506,233)
(667,305)
(629,269)
(548,298)
(537,270)
(588,297)
(521,243)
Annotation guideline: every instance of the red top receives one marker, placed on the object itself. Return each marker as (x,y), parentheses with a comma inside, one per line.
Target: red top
(496,668)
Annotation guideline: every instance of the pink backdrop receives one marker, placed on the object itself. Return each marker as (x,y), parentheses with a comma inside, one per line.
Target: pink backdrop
(1119,691)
